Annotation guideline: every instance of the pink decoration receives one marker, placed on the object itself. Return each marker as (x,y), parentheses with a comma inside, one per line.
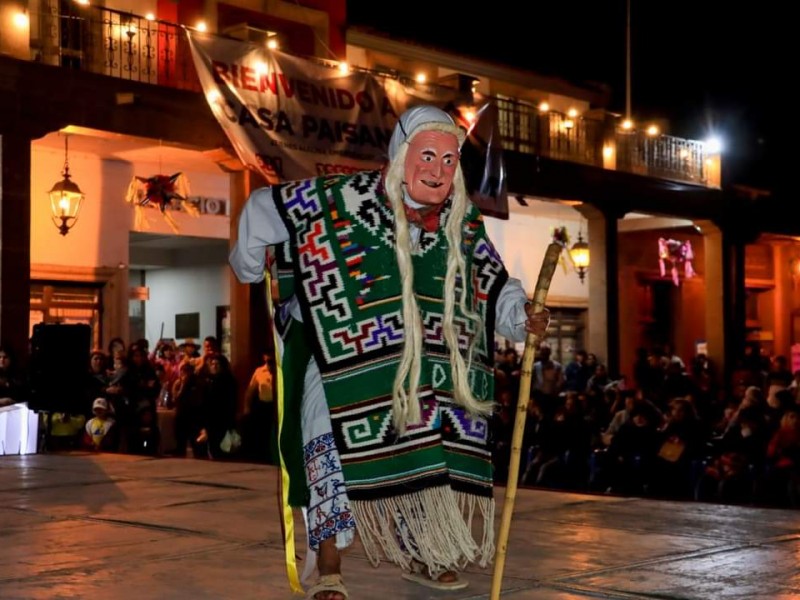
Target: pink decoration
(677,254)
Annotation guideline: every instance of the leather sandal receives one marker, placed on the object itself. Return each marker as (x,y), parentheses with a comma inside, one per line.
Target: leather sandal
(421,574)
(328,583)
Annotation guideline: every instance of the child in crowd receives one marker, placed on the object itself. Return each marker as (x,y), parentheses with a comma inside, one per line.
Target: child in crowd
(100,431)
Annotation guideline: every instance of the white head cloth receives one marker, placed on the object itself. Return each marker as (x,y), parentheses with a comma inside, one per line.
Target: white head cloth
(423,114)
(420,118)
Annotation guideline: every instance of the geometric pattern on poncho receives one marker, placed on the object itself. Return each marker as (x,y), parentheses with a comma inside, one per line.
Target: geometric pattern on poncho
(341,236)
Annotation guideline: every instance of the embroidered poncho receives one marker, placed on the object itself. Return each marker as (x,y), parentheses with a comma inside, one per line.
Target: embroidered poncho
(413,494)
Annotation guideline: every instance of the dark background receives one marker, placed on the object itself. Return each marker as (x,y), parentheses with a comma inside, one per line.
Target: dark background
(708,67)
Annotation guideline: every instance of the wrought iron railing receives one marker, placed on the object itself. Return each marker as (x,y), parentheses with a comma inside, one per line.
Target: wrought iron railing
(575,138)
(662,156)
(125,45)
(115,43)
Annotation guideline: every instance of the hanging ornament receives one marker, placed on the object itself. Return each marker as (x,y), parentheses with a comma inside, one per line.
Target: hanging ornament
(677,254)
(561,236)
(165,192)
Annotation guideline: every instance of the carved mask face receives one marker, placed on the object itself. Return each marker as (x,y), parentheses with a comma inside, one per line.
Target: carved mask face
(431,164)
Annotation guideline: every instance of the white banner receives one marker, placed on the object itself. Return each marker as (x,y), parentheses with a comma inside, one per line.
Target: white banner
(290,118)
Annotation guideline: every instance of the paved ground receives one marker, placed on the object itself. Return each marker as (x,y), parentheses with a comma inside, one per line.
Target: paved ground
(125,528)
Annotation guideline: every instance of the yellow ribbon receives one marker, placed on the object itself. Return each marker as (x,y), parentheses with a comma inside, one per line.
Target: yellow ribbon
(286,509)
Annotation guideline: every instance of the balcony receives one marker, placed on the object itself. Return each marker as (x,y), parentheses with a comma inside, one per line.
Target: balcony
(128,46)
(114,43)
(595,139)
(663,156)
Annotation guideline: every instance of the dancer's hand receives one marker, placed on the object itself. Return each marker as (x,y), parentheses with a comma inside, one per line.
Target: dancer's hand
(537,323)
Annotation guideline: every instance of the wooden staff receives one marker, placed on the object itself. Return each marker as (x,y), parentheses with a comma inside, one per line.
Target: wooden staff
(549,265)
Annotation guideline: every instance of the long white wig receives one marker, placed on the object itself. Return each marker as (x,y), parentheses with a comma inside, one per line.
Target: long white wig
(406,405)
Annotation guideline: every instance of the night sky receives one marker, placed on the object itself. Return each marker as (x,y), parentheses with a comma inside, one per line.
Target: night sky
(709,67)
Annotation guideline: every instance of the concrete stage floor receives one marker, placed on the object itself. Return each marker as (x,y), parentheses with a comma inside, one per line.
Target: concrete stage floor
(127,527)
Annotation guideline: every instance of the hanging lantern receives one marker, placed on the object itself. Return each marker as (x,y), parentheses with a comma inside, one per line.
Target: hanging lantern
(66,198)
(579,254)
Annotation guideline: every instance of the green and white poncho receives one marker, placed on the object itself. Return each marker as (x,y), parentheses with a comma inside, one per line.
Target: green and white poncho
(420,490)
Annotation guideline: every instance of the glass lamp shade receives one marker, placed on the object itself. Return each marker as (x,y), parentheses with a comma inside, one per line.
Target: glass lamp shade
(65,203)
(579,253)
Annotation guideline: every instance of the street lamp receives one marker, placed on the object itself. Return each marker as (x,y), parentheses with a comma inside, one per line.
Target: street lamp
(579,254)
(65,198)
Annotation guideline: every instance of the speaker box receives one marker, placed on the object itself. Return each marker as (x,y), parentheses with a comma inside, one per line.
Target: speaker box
(59,367)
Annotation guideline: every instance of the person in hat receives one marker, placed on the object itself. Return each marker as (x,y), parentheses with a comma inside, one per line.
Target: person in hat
(100,432)
(188,352)
(391,294)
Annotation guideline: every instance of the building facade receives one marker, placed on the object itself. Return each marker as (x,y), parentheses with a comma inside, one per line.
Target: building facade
(115,95)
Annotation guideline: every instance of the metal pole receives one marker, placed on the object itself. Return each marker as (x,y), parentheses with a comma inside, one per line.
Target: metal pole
(628,61)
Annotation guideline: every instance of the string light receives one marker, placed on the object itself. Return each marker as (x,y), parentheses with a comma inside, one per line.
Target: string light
(21,20)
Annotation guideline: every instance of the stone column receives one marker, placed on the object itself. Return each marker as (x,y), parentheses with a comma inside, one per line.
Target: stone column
(602,277)
(15,241)
(714,276)
(116,298)
(723,273)
(240,293)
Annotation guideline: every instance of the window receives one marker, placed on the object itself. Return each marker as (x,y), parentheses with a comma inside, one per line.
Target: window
(73,33)
(68,303)
(517,124)
(567,333)
(187,325)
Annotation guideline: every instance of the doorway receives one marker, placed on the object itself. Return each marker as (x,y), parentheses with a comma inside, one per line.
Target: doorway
(658,309)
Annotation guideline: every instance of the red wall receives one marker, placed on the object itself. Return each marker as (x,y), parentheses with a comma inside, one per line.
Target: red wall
(639,277)
(299,37)
(337,13)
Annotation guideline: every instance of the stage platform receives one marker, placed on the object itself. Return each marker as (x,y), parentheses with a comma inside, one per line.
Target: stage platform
(128,527)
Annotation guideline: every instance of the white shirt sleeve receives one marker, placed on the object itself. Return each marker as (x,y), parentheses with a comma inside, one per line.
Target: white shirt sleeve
(260,226)
(510,313)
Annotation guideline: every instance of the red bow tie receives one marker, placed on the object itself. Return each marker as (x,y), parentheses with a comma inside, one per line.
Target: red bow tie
(427,218)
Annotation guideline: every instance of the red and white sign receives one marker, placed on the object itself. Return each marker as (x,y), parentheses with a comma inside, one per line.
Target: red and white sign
(292,118)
